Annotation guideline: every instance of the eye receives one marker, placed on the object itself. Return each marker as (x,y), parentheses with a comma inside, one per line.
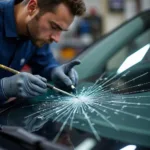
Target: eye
(54,27)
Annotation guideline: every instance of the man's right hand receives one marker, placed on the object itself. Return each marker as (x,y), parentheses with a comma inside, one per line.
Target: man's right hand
(24,85)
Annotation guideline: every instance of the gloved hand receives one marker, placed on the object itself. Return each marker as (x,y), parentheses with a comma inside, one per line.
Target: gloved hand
(24,85)
(64,76)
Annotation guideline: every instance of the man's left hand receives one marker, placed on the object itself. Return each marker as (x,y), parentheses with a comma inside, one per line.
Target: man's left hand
(65,75)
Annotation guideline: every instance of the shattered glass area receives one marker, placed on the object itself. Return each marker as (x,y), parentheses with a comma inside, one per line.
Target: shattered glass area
(98,105)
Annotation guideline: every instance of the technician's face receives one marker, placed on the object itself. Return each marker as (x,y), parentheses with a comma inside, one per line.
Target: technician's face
(48,27)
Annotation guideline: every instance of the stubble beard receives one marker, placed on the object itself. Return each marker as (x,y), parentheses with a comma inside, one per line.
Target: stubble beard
(32,24)
(35,41)
(32,38)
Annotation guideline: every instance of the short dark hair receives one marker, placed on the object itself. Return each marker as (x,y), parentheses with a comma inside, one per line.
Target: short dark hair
(77,7)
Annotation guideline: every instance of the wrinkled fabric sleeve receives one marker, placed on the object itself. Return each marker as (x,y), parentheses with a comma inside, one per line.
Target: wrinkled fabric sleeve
(43,61)
(2,95)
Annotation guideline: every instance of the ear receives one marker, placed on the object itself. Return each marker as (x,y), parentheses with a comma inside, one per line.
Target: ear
(32,7)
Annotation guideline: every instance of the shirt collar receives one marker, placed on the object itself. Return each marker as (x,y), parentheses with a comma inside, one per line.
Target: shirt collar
(9,19)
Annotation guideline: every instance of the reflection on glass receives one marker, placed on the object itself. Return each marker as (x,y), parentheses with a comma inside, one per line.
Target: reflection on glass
(134,59)
(87,144)
(130,147)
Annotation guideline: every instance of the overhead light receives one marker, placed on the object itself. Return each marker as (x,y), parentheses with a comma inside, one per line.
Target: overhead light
(133,59)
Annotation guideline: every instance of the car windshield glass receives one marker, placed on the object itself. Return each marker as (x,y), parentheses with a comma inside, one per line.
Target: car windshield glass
(127,70)
(119,86)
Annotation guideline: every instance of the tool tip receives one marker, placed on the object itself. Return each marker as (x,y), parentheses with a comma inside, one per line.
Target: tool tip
(73,87)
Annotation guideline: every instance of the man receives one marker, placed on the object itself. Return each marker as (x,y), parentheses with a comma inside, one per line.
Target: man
(26,29)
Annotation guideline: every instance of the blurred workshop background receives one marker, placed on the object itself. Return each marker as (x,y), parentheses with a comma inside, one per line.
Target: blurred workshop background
(101,17)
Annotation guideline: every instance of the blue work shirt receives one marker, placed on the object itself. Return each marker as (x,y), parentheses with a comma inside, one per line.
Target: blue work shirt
(15,51)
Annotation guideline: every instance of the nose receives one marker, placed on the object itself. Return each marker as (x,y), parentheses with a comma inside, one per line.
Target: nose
(56,37)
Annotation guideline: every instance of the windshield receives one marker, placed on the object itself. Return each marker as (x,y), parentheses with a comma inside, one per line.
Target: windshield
(127,70)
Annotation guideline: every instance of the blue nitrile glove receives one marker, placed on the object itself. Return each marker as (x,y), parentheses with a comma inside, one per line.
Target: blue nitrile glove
(24,85)
(64,76)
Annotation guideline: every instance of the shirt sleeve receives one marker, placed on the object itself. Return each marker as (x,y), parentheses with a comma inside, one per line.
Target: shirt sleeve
(2,95)
(43,61)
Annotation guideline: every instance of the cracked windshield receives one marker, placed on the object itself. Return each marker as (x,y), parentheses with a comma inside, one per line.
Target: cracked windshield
(105,103)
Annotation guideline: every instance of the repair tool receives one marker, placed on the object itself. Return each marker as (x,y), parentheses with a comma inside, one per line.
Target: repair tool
(48,85)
